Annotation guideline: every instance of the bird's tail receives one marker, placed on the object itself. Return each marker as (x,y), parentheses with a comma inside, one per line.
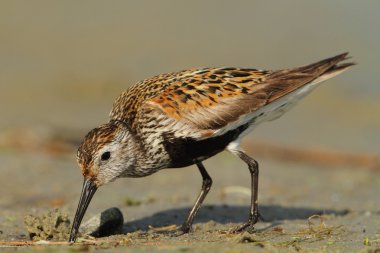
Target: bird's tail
(285,81)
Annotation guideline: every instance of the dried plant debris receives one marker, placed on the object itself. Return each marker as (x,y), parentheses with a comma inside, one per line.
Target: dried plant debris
(128,201)
(132,202)
(53,225)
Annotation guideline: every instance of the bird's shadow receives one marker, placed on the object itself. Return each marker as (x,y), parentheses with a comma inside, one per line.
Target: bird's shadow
(226,214)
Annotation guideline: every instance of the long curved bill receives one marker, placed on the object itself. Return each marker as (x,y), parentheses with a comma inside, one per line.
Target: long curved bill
(88,190)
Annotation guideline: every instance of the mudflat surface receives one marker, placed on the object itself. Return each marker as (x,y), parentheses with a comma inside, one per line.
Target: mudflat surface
(62,64)
(305,207)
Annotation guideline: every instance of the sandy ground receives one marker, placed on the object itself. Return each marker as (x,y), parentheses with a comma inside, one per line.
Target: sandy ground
(63,64)
(305,207)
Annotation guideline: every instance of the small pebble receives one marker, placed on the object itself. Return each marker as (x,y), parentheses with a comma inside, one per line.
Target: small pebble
(105,223)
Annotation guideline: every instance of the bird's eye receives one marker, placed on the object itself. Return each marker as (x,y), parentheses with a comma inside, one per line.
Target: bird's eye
(105,156)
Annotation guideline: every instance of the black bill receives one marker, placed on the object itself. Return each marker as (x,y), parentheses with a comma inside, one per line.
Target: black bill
(88,190)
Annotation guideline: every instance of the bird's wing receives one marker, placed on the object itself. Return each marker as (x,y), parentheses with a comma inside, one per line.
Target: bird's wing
(208,101)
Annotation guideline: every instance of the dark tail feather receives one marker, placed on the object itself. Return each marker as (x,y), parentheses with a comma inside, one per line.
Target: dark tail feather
(285,81)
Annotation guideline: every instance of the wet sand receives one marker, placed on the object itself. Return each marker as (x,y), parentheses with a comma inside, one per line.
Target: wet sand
(305,207)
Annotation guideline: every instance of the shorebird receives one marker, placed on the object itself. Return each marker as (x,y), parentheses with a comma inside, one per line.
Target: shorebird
(180,119)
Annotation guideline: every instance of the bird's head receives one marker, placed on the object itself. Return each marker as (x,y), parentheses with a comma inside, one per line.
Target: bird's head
(105,154)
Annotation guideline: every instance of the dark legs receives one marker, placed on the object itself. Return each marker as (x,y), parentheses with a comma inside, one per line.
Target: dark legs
(254,215)
(253,167)
(206,185)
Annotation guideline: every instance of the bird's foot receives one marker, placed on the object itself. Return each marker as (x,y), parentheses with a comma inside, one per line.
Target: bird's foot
(249,226)
(186,228)
(178,231)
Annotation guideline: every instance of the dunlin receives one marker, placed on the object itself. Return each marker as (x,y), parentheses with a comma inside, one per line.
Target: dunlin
(179,119)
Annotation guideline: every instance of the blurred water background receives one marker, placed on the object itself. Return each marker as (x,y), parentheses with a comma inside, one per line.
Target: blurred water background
(62,63)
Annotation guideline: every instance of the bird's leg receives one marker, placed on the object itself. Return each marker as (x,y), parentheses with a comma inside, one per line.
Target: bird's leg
(206,185)
(254,215)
